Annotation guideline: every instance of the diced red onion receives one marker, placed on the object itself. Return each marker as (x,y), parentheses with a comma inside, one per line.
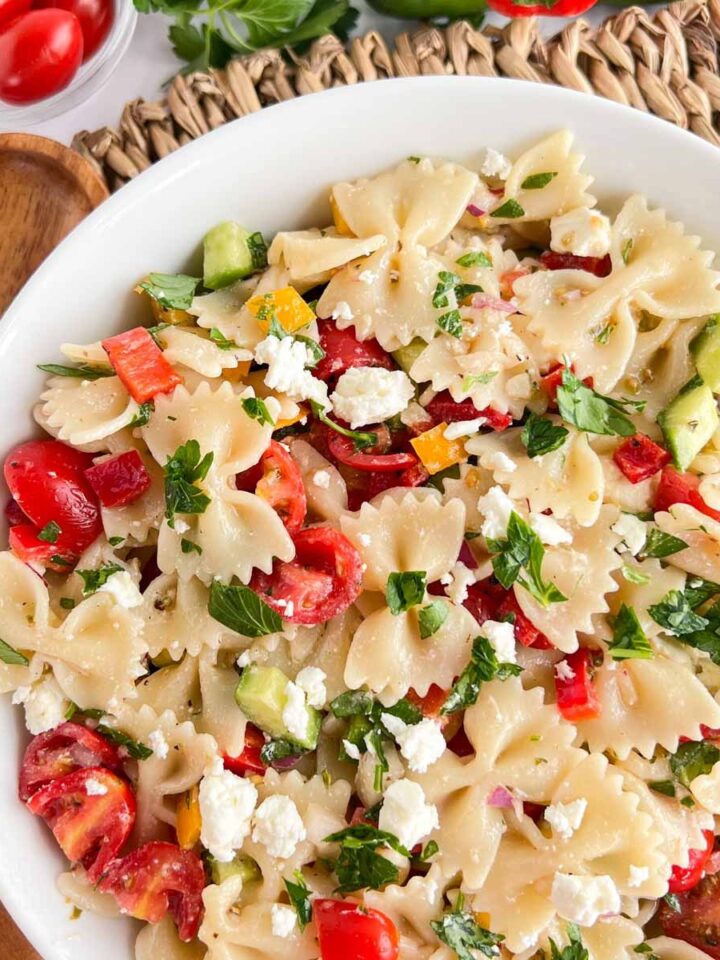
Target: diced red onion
(475,211)
(483,300)
(502,798)
(287,763)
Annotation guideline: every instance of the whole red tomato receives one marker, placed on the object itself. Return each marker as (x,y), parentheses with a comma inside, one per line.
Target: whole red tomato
(12,9)
(95,16)
(40,53)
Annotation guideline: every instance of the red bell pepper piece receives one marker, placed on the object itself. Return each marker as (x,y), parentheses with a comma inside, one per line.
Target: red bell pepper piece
(443,409)
(676,487)
(576,696)
(140,364)
(525,632)
(119,480)
(249,760)
(685,878)
(599,266)
(639,458)
(553,378)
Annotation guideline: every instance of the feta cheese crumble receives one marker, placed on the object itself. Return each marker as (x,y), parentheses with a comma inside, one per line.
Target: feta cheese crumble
(226,808)
(295,714)
(244,660)
(498,460)
(638,875)
(632,531)
(549,530)
(342,311)
(463,428)
(583,900)
(582,232)
(278,826)
(406,814)
(502,637)
(458,581)
(283,919)
(421,744)
(563,670)
(495,164)
(496,507)
(93,788)
(366,395)
(565,818)
(45,705)
(311,681)
(158,744)
(123,589)
(351,749)
(367,276)
(286,359)
(321,479)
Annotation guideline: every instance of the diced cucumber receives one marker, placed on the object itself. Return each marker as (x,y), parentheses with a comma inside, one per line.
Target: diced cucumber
(689,421)
(240,866)
(705,348)
(261,696)
(358,728)
(405,357)
(230,253)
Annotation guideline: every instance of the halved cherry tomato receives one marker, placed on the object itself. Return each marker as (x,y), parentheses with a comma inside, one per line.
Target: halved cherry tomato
(277,479)
(345,930)
(697,922)
(577,698)
(374,458)
(599,266)
(460,744)
(90,826)
(676,487)
(12,9)
(343,350)
(95,16)
(443,409)
(683,879)
(483,599)
(119,480)
(526,633)
(40,53)
(365,485)
(640,458)
(47,480)
(551,380)
(140,364)
(61,751)
(156,879)
(430,706)
(322,581)
(249,760)
(24,543)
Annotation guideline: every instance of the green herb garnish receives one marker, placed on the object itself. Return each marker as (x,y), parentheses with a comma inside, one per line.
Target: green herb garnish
(173,291)
(536,181)
(240,609)
(540,436)
(183,471)
(629,640)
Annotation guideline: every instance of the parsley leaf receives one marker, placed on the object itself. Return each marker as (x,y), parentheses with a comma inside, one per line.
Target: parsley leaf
(699,591)
(360,438)
(445,289)
(475,258)
(135,749)
(590,411)
(242,610)
(275,750)
(405,590)
(665,787)
(629,640)
(182,471)
(258,250)
(693,759)
(221,341)
(574,950)
(94,579)
(12,656)
(675,614)
(464,935)
(82,372)
(432,617)
(142,417)
(50,532)
(257,409)
(536,181)
(510,210)
(173,291)
(359,866)
(299,894)
(483,667)
(352,703)
(626,250)
(659,544)
(189,546)
(451,323)
(478,379)
(540,435)
(523,550)
(634,574)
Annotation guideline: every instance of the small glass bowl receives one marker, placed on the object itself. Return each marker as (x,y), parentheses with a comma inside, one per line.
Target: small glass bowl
(88,80)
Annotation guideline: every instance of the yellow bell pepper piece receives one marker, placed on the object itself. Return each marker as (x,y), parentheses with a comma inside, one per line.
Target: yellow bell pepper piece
(162,314)
(300,415)
(482,920)
(340,223)
(237,374)
(188,823)
(436,451)
(286,305)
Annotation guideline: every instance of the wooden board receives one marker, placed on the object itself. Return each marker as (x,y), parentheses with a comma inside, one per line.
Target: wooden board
(13,945)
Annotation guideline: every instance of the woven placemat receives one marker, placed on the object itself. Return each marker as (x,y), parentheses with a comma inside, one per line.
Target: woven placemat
(665,64)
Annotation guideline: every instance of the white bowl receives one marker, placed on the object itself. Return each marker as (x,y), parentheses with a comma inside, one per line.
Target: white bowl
(271,170)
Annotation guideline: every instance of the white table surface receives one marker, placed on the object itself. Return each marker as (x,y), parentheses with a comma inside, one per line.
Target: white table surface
(149,62)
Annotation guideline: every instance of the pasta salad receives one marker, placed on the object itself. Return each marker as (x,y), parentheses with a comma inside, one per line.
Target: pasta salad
(365,603)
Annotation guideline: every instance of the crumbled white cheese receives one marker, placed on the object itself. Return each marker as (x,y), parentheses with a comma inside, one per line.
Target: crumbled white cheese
(158,744)
(226,808)
(498,460)
(342,311)
(495,164)
(93,788)
(45,705)
(286,360)
(709,490)
(289,609)
(181,526)
(365,539)
(461,577)
(422,744)
(549,530)
(502,637)
(311,681)
(278,826)
(563,670)
(565,818)
(463,428)
(406,814)
(638,875)
(366,395)
(583,900)
(295,714)
(351,749)
(321,479)
(244,660)
(283,920)
(123,589)
(632,530)
(367,276)
(582,232)
(496,507)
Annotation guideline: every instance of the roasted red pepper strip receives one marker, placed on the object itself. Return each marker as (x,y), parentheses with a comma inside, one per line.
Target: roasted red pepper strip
(599,266)
(676,487)
(685,878)
(119,480)
(443,409)
(576,696)
(249,760)
(525,632)
(140,364)
(640,458)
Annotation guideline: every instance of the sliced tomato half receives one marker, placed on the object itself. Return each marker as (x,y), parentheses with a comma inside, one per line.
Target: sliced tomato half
(683,879)
(249,760)
(697,921)
(346,930)
(156,879)
(91,812)
(374,459)
(323,580)
(61,751)
(443,409)
(277,479)
(343,350)
(676,487)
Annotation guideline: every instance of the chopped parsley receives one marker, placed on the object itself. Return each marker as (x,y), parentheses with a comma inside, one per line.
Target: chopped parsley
(50,532)
(451,323)
(574,949)
(536,181)
(634,574)
(432,617)
(257,409)
(523,550)
(483,667)
(11,656)
(94,579)
(82,371)
(476,258)
(659,544)
(405,590)
(183,471)
(592,412)
(221,341)
(189,546)
(135,749)
(173,291)
(361,439)
(674,613)
(240,609)
(693,759)
(258,250)
(540,435)
(299,894)
(629,640)
(142,417)
(510,210)
(463,934)
(359,866)
(626,250)
(473,380)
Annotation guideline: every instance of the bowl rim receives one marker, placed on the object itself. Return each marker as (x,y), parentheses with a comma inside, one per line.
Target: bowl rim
(161,174)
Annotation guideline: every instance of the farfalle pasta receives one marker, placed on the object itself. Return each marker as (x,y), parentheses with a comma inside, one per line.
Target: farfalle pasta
(370,591)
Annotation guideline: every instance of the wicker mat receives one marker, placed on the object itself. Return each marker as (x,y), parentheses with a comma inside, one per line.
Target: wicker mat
(665,64)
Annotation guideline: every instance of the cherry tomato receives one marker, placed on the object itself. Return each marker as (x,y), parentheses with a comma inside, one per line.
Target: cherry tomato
(12,9)
(576,696)
(119,480)
(91,812)
(374,458)
(40,53)
(277,479)
(61,751)
(460,744)
(95,16)
(363,485)
(526,633)
(640,458)
(345,930)
(46,479)
(343,350)
(249,760)
(599,266)
(683,879)
(483,599)
(156,879)
(443,409)
(322,581)
(676,487)
(697,922)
